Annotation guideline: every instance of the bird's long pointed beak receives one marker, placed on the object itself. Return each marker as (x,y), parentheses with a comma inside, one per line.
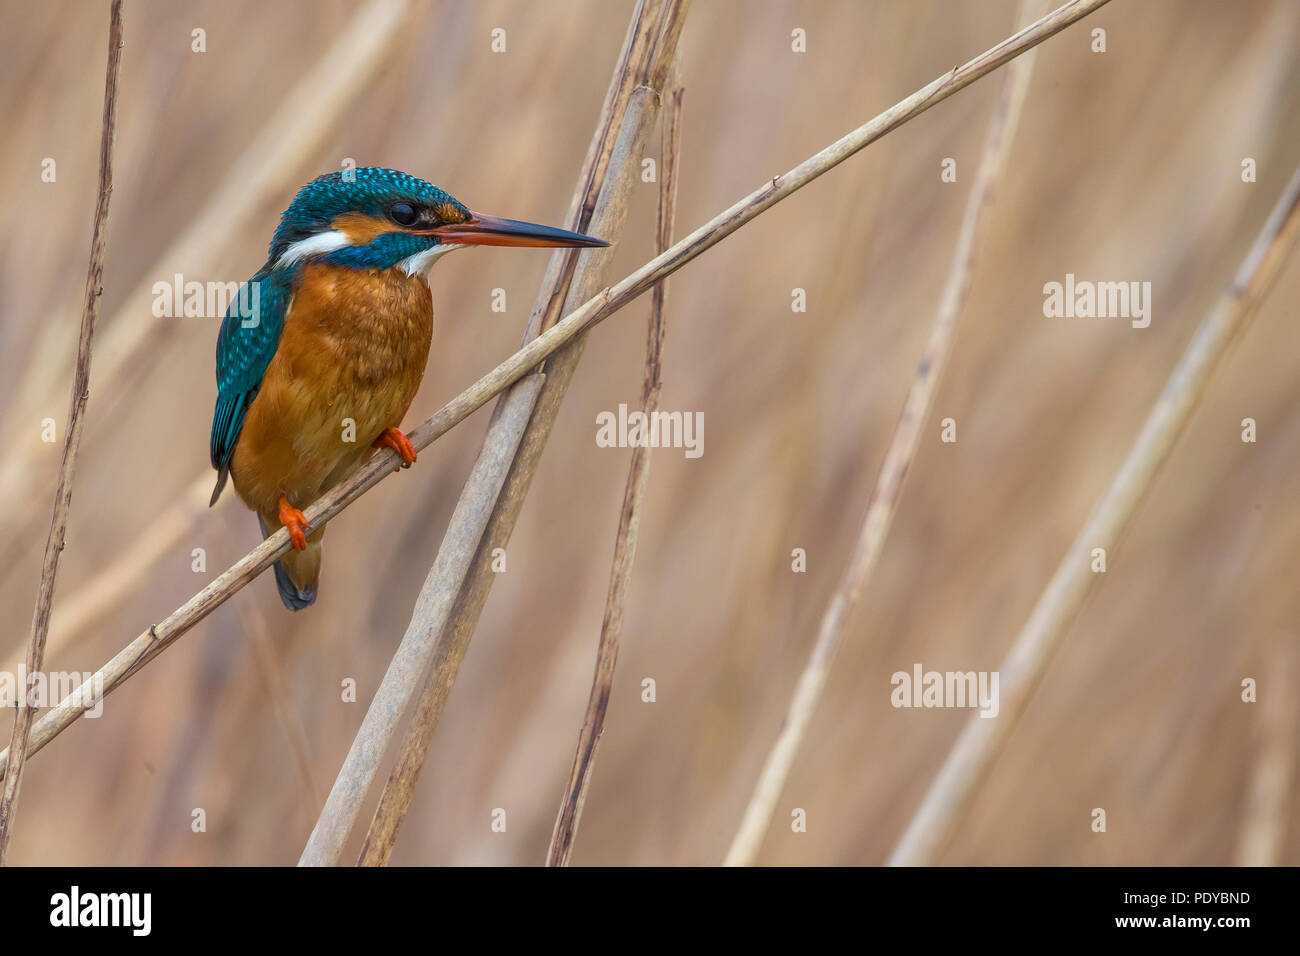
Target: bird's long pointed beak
(484,230)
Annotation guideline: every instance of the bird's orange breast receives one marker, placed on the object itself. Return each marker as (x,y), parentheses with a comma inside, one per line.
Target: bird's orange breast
(349,362)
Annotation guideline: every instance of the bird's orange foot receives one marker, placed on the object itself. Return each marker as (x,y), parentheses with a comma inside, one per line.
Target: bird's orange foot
(296,524)
(394,438)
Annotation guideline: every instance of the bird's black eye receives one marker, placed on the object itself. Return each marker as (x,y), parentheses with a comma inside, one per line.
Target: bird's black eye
(403,214)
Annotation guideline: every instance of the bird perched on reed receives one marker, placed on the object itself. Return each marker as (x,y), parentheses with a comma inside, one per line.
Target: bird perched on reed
(321,354)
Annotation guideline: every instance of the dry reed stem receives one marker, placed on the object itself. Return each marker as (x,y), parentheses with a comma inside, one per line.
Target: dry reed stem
(446,656)
(288,138)
(411,662)
(72,443)
(898,461)
(629,522)
(504,434)
(158,637)
(411,659)
(442,656)
(973,752)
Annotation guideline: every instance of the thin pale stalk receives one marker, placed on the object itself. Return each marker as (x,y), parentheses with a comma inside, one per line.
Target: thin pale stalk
(898,461)
(72,442)
(979,743)
(620,575)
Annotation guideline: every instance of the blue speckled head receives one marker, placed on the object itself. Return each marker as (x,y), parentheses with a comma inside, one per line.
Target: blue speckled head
(375,218)
(382,208)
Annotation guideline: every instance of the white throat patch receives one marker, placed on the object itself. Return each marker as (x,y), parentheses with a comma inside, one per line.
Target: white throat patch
(422,262)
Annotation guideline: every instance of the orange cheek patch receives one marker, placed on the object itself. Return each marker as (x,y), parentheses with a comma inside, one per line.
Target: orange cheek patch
(360,228)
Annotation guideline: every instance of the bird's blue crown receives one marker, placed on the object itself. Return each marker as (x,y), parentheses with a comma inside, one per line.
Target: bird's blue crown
(370,190)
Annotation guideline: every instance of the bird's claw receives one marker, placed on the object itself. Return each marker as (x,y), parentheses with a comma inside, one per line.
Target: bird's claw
(295,523)
(395,439)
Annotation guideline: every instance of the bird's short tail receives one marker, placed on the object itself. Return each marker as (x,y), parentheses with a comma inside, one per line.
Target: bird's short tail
(297,573)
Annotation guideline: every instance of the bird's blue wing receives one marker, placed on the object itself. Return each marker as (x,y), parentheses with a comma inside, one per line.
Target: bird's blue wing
(250,334)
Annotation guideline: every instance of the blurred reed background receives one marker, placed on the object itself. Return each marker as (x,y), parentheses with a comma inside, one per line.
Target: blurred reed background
(1126,167)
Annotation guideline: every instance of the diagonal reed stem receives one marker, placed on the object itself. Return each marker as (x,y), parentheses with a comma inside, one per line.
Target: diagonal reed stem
(981,740)
(898,461)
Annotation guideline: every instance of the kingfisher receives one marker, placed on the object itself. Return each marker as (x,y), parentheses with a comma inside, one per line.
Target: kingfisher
(317,375)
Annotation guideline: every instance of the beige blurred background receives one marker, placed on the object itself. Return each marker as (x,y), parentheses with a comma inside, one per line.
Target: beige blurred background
(1126,167)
